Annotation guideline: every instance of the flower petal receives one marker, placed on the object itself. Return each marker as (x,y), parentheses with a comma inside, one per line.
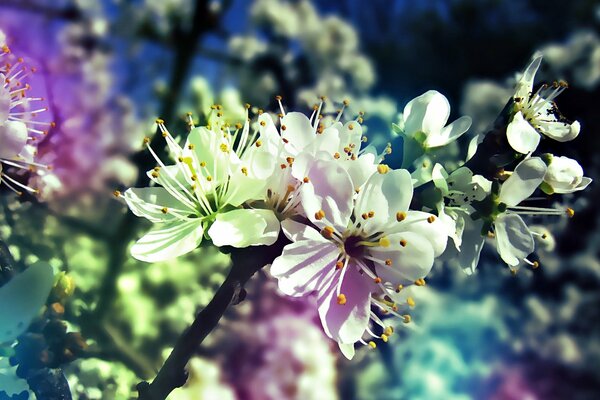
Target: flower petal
(471,246)
(244,227)
(513,239)
(427,113)
(411,257)
(521,136)
(305,266)
(296,231)
(149,203)
(22,299)
(433,232)
(298,131)
(329,189)
(450,133)
(527,176)
(525,84)
(346,323)
(13,138)
(168,240)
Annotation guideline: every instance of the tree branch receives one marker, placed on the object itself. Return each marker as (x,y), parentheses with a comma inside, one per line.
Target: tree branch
(173,374)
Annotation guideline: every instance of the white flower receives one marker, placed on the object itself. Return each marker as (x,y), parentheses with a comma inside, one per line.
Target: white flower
(18,127)
(364,250)
(565,175)
(216,172)
(536,113)
(425,119)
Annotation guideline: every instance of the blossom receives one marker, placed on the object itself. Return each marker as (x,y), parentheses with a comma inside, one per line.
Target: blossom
(424,122)
(564,175)
(536,113)
(361,251)
(18,127)
(216,172)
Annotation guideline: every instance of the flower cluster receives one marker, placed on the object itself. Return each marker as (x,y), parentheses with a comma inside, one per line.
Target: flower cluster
(361,234)
(19,129)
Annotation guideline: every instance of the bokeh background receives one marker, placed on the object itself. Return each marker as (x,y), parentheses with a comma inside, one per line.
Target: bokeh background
(108,68)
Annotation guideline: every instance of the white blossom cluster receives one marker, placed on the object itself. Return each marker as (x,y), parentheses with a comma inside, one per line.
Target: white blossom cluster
(361,235)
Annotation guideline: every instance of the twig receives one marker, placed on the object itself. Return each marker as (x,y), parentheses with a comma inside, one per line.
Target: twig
(246,262)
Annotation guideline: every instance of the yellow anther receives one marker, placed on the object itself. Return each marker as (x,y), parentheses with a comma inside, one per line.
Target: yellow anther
(346,102)
(410,301)
(245,171)
(403,242)
(339,265)
(164,210)
(262,123)
(377,280)
(155,174)
(160,121)
(327,232)
(406,318)
(388,262)
(117,193)
(202,164)
(399,288)
(359,120)
(224,148)
(319,215)
(371,214)
(194,177)
(278,98)
(384,337)
(420,282)
(156,169)
(238,126)
(260,111)
(247,106)
(306,180)
(258,143)
(283,127)
(341,299)
(383,169)
(146,140)
(536,264)
(336,155)
(180,159)
(283,166)
(570,212)
(388,331)
(365,216)
(191,146)
(384,242)
(400,216)
(372,344)
(290,160)
(430,219)
(350,126)
(209,178)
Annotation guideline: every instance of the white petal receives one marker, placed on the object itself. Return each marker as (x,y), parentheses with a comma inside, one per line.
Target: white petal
(521,136)
(13,138)
(296,231)
(527,176)
(427,113)
(149,202)
(298,131)
(450,133)
(347,350)
(168,240)
(525,84)
(330,189)
(562,131)
(410,261)
(433,232)
(361,168)
(513,239)
(385,195)
(305,267)
(471,246)
(22,299)
(346,323)
(244,227)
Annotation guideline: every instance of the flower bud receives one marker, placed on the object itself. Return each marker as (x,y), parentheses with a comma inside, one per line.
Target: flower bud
(565,175)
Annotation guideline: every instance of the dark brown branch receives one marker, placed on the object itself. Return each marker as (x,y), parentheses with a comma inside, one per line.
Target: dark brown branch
(173,374)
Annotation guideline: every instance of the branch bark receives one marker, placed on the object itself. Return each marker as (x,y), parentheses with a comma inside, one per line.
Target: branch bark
(173,374)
